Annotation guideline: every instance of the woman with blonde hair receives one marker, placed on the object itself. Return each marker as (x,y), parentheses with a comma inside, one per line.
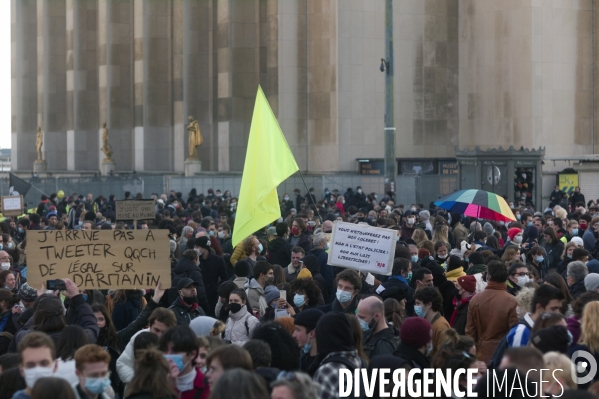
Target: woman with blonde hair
(560,369)
(560,212)
(589,336)
(511,252)
(427,244)
(441,233)
(419,236)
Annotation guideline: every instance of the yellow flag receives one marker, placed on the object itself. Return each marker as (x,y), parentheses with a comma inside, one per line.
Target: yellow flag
(268,162)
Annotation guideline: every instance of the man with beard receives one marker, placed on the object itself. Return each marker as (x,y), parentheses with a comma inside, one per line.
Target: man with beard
(186,307)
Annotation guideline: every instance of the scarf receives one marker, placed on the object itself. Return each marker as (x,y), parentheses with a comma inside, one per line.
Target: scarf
(458,304)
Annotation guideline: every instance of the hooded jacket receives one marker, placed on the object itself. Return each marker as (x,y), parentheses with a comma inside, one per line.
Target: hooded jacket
(280,252)
(255,294)
(186,268)
(240,326)
(333,339)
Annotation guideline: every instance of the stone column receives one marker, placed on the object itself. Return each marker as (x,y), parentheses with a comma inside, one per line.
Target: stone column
(24,83)
(116,79)
(52,81)
(82,85)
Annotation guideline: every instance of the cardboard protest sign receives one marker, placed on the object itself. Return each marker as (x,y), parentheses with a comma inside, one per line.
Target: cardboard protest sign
(135,210)
(12,205)
(99,259)
(362,247)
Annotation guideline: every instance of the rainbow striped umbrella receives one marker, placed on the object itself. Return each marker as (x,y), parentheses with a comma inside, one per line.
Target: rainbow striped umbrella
(477,203)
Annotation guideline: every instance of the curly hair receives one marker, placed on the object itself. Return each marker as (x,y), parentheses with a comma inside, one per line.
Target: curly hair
(284,349)
(430,295)
(309,288)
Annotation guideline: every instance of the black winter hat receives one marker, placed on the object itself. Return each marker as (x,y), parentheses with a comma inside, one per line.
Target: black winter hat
(308,318)
(334,334)
(554,338)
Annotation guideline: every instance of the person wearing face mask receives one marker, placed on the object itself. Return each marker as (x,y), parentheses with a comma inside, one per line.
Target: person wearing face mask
(360,198)
(466,286)
(22,227)
(416,342)
(401,276)
(241,323)
(38,360)
(180,347)
(213,271)
(298,236)
(408,226)
(379,337)
(187,267)
(186,307)
(515,236)
(263,276)
(321,246)
(348,284)
(287,203)
(518,275)
(92,370)
(428,303)
(536,260)
(305,336)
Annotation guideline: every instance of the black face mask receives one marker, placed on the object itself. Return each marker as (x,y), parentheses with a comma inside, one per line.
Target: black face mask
(190,300)
(235,307)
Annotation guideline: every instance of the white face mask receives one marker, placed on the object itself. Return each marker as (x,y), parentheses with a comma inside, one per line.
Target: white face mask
(35,373)
(523,280)
(442,256)
(518,239)
(410,220)
(221,234)
(5,265)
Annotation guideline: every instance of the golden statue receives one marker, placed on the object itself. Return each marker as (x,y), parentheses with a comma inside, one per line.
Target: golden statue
(106,148)
(39,141)
(195,137)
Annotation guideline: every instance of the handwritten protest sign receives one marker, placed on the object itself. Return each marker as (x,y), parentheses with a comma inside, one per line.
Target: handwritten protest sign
(12,206)
(362,247)
(135,210)
(99,259)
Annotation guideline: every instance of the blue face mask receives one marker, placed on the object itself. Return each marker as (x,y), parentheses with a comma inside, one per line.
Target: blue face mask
(409,276)
(343,296)
(326,247)
(177,359)
(260,248)
(429,349)
(211,233)
(574,232)
(414,258)
(569,256)
(518,217)
(419,311)
(21,230)
(307,347)
(85,297)
(539,259)
(467,260)
(299,300)
(97,386)
(529,224)
(274,305)
(364,325)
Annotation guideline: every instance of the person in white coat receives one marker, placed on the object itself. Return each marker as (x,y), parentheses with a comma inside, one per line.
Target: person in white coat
(160,320)
(240,323)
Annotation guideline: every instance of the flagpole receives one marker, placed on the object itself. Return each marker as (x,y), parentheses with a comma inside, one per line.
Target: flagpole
(313,203)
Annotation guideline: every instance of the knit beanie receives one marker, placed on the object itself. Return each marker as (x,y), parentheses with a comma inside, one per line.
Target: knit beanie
(488,228)
(27,293)
(308,318)
(468,283)
(554,338)
(304,273)
(271,293)
(511,233)
(415,331)
(334,334)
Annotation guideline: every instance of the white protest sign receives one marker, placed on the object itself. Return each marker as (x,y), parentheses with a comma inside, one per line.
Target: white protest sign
(12,206)
(362,247)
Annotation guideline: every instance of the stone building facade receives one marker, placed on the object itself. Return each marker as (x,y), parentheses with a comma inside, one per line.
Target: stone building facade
(468,73)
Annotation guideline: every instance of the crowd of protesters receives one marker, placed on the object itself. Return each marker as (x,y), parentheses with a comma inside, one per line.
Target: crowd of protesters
(270,318)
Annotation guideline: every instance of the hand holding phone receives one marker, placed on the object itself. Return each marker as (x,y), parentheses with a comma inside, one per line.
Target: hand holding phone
(57,284)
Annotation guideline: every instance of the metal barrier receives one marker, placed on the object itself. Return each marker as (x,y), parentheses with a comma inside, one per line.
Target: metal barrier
(410,188)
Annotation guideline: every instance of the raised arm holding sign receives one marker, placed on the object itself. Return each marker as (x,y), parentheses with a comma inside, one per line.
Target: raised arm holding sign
(362,247)
(100,259)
